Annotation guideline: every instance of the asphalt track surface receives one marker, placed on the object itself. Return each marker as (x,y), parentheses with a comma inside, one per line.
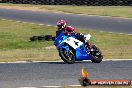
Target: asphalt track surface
(16,75)
(78,21)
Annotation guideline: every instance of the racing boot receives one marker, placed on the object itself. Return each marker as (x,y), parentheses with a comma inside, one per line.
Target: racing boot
(88,46)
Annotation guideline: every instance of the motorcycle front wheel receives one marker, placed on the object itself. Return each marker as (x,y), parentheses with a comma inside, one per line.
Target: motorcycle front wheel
(96,55)
(67,57)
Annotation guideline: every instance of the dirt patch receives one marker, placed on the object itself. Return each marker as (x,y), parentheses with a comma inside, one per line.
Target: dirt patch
(50,47)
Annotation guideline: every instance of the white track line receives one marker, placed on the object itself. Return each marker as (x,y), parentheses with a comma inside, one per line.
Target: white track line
(106,16)
(20,21)
(3,19)
(129,34)
(62,61)
(116,59)
(102,31)
(32,61)
(49,25)
(25,22)
(40,24)
(27,87)
(53,26)
(51,87)
(74,85)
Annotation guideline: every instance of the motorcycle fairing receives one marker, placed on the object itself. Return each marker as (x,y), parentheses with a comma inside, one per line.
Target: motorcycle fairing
(82,54)
(73,42)
(59,39)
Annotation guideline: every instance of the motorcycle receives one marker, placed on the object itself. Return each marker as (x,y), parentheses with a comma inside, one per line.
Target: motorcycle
(71,49)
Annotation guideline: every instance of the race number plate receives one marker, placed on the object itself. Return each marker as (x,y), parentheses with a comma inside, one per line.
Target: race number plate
(73,42)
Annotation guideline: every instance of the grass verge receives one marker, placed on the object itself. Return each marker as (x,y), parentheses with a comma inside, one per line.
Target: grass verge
(115,11)
(15,44)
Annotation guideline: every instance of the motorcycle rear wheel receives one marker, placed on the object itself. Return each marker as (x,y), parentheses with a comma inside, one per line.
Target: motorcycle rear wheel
(67,57)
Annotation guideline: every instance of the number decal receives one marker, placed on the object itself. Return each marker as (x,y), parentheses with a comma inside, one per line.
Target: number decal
(73,42)
(76,43)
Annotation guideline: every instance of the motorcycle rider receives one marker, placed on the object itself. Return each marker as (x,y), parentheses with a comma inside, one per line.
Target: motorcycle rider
(61,24)
(69,30)
(80,36)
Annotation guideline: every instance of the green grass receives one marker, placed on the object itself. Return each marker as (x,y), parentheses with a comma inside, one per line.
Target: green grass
(16,46)
(113,45)
(15,43)
(15,35)
(115,11)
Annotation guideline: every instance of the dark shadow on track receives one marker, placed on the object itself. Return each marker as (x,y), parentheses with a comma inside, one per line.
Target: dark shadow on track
(65,63)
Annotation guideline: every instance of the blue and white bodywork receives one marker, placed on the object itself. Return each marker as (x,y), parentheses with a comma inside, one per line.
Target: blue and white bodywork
(71,49)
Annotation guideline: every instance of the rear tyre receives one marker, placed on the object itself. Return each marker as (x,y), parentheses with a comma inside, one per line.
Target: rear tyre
(34,38)
(67,57)
(53,38)
(48,37)
(41,37)
(96,55)
(84,82)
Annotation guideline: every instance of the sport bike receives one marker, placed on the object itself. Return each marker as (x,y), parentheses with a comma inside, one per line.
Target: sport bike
(71,49)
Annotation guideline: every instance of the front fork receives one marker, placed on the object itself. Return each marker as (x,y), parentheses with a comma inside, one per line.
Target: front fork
(64,47)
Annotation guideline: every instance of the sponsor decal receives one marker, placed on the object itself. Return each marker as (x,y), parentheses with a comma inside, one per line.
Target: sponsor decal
(68,39)
(85,80)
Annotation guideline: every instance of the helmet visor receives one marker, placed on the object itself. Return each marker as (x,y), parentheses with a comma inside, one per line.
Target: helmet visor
(59,26)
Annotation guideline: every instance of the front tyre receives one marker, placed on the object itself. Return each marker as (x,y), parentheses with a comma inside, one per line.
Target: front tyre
(96,55)
(67,57)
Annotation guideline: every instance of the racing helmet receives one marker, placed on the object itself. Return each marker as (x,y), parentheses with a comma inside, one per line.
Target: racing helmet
(61,24)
